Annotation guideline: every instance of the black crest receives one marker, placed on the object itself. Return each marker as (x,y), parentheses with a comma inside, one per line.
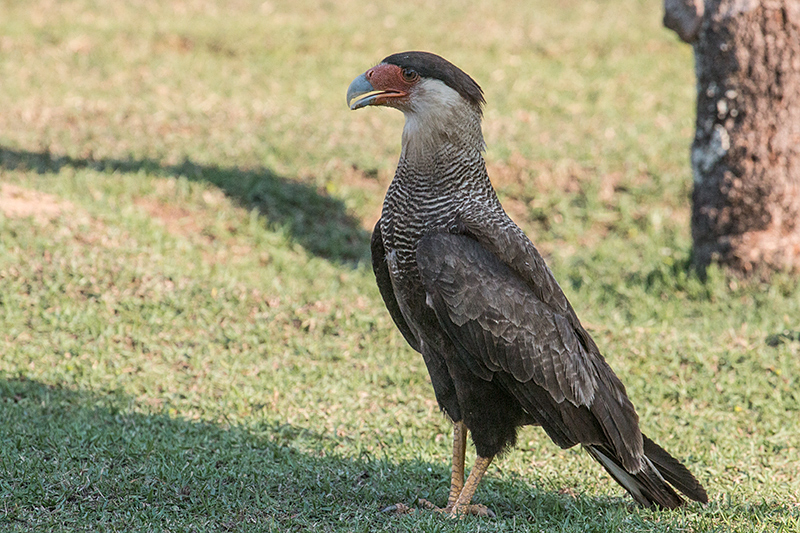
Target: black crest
(430,65)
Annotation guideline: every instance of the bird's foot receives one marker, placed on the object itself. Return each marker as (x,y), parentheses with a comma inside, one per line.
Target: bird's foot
(455,510)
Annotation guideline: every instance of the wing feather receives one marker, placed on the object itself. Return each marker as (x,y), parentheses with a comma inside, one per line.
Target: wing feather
(495,316)
(384,280)
(503,327)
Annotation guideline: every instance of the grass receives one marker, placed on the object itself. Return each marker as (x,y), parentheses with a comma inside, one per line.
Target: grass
(191,337)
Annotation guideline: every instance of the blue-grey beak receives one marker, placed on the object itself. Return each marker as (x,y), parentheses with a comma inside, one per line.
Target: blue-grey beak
(361,93)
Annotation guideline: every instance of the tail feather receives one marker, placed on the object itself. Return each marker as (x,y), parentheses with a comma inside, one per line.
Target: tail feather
(674,472)
(650,486)
(646,486)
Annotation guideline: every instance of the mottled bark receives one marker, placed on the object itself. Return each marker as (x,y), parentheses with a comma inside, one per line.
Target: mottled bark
(746,150)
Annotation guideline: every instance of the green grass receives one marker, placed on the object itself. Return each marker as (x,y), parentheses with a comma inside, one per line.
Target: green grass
(191,338)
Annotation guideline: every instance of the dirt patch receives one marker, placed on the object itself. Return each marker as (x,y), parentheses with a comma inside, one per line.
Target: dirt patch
(195,226)
(177,220)
(19,202)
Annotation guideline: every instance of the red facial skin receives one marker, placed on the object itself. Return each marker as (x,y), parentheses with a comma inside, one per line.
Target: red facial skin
(397,83)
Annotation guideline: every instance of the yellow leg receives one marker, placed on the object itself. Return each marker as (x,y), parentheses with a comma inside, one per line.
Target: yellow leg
(457,474)
(462,504)
(461,493)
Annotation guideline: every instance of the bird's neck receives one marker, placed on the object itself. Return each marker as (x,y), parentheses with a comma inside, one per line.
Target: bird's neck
(441,167)
(429,129)
(445,143)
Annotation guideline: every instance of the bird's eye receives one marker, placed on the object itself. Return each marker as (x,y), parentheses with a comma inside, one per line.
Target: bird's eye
(409,74)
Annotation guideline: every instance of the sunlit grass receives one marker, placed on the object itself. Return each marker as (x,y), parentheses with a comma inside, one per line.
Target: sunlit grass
(191,338)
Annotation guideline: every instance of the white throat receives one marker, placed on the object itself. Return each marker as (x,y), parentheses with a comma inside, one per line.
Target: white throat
(438,115)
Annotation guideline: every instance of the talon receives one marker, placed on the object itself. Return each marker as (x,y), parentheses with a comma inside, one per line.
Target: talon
(427,505)
(475,509)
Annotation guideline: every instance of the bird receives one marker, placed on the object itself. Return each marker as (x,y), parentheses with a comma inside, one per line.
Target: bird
(469,291)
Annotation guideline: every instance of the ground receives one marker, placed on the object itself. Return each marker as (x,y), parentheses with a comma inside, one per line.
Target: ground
(191,335)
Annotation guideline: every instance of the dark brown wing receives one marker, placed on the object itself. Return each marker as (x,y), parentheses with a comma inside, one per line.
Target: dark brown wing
(529,340)
(505,330)
(381,269)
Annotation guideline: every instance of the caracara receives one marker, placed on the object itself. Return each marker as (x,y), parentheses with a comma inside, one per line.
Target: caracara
(470,292)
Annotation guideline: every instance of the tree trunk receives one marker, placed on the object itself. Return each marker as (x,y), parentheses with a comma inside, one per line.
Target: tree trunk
(746,150)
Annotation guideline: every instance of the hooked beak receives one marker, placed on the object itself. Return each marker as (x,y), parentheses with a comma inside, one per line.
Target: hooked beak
(361,93)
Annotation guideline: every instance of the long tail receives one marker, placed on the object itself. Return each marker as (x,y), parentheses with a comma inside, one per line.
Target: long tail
(650,487)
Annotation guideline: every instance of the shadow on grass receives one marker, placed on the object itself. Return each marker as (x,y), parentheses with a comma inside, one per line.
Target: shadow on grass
(313,219)
(74,460)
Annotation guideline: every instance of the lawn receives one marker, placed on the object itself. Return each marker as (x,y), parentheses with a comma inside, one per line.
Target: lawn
(190,334)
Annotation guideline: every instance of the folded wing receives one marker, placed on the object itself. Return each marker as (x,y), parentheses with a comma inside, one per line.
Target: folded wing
(504,331)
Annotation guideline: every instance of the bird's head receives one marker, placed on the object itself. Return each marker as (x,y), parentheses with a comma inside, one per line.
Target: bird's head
(408,79)
(437,98)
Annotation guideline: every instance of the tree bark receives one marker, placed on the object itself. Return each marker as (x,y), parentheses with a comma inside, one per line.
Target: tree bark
(746,150)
